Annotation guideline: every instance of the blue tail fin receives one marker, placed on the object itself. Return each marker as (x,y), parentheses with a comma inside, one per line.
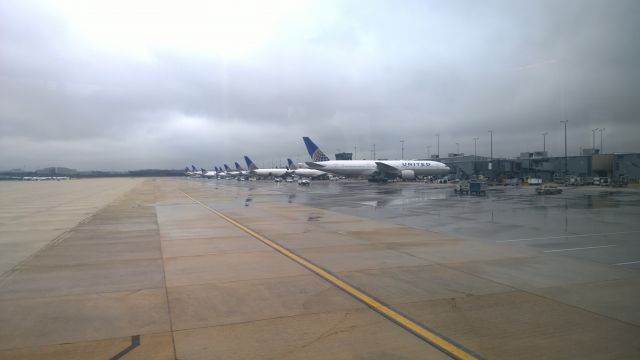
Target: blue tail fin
(186,169)
(238,167)
(193,168)
(226,167)
(250,164)
(292,166)
(315,153)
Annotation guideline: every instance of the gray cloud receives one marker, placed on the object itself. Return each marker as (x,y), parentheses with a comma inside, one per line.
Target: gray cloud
(347,74)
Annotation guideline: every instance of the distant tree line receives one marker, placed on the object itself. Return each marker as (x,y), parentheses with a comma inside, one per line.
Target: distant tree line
(13,174)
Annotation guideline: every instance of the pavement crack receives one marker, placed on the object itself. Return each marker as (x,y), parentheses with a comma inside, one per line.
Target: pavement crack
(333,330)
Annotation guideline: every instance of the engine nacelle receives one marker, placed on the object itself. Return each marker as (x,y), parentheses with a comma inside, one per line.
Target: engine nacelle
(408,175)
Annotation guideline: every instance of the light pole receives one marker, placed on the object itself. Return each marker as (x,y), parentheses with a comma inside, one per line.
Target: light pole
(593,144)
(355,152)
(402,142)
(601,147)
(438,136)
(544,141)
(565,145)
(475,153)
(491,146)
(374,151)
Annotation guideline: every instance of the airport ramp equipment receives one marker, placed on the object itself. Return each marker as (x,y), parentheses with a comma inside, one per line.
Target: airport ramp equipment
(478,188)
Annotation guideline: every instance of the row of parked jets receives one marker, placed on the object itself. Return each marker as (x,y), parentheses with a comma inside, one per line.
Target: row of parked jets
(321,165)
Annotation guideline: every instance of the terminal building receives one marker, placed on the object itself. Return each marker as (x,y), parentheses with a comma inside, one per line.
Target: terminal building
(539,165)
(56,171)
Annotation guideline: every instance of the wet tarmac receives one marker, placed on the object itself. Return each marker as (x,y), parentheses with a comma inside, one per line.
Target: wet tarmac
(205,269)
(605,220)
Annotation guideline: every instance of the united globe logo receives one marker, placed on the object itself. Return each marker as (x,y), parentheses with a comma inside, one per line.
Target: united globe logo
(319,156)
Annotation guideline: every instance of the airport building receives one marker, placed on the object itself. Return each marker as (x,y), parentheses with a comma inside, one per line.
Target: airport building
(56,171)
(540,165)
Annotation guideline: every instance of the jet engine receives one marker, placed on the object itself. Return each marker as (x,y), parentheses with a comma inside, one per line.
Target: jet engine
(408,175)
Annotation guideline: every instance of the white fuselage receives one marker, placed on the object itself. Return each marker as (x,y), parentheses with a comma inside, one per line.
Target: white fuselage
(269,172)
(308,172)
(369,167)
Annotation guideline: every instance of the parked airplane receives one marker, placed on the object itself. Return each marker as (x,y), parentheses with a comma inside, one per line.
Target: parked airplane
(229,172)
(242,171)
(221,173)
(210,174)
(42,178)
(193,173)
(293,169)
(374,170)
(254,170)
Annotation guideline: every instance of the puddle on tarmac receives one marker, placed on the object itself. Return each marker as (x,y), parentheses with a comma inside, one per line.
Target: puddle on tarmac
(314,217)
(600,201)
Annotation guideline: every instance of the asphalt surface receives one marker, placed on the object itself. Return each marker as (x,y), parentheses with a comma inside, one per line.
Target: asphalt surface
(603,220)
(205,269)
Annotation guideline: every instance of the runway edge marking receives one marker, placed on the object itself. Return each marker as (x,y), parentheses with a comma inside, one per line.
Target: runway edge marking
(438,341)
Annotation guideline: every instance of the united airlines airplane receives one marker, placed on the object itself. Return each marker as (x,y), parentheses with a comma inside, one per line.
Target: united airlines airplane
(221,173)
(374,170)
(254,170)
(242,171)
(193,173)
(293,169)
(229,172)
(210,174)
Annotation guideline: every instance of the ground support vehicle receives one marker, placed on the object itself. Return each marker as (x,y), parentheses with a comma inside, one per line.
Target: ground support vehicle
(548,189)
(462,187)
(478,188)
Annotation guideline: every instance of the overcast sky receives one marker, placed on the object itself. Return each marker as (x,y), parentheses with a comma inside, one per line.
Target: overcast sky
(150,84)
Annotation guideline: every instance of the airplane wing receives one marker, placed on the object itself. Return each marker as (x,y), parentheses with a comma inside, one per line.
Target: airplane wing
(387,169)
(314,165)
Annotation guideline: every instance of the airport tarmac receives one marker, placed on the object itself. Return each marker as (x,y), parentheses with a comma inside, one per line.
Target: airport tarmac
(206,269)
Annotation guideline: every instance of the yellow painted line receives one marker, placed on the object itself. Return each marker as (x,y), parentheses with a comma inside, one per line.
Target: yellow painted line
(406,323)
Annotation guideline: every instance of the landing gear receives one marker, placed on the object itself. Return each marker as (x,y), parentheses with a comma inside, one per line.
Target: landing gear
(377,178)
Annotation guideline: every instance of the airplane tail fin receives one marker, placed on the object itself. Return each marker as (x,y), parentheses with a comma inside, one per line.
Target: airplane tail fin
(315,152)
(238,167)
(193,168)
(292,166)
(203,170)
(250,164)
(186,169)
(226,167)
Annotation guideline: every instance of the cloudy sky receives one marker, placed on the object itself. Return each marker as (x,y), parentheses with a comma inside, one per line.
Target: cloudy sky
(151,84)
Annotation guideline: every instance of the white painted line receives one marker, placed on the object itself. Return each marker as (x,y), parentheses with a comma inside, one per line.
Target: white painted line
(581,248)
(570,236)
(626,263)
